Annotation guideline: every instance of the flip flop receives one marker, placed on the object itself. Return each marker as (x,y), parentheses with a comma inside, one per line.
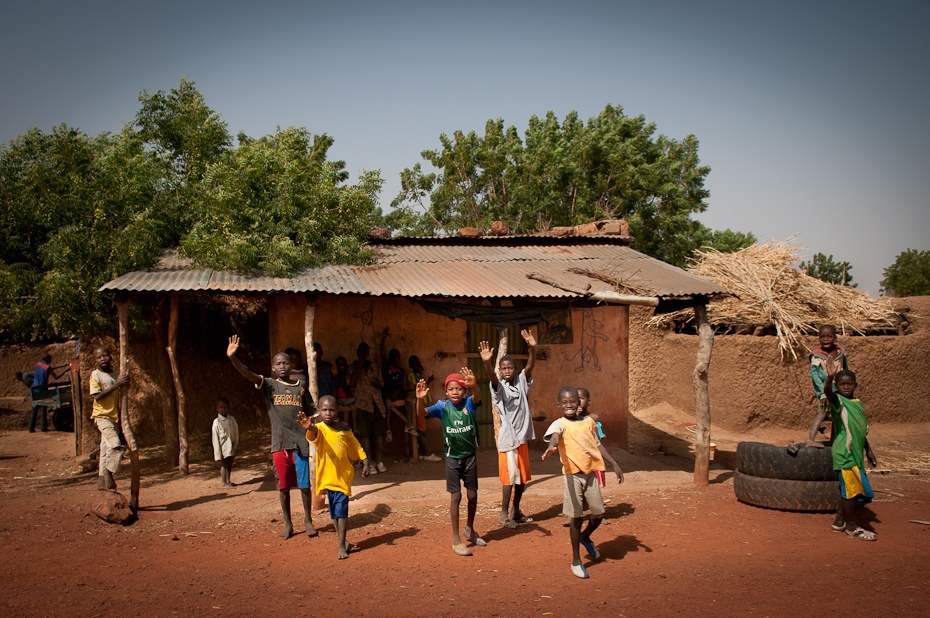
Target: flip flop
(578,570)
(862,534)
(350,548)
(507,522)
(523,519)
(473,537)
(589,547)
(461,550)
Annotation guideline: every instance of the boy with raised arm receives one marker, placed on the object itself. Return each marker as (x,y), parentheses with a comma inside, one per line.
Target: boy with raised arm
(509,395)
(575,439)
(460,434)
(284,399)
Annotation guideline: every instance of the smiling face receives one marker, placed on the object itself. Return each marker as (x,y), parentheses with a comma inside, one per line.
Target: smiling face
(569,403)
(281,366)
(102,359)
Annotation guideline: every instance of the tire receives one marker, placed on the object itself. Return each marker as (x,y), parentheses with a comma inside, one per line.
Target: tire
(773,462)
(784,495)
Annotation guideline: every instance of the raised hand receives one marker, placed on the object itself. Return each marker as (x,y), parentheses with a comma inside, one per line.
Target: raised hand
(233,346)
(486,351)
(422,389)
(469,377)
(529,338)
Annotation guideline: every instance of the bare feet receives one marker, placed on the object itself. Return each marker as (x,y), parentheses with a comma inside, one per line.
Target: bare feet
(461,550)
(345,551)
(311,531)
(288,532)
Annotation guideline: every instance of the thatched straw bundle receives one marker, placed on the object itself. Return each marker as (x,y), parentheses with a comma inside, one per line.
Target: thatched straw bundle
(767,292)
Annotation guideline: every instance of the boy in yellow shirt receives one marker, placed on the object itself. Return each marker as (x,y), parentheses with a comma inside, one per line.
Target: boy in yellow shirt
(336,448)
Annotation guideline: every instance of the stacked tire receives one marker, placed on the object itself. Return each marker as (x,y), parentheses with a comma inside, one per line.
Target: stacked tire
(772,477)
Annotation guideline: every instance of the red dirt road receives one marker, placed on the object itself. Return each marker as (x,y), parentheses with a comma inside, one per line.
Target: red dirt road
(668,548)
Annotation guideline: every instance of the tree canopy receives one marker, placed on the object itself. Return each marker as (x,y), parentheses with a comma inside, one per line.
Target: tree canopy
(909,275)
(563,173)
(823,267)
(79,211)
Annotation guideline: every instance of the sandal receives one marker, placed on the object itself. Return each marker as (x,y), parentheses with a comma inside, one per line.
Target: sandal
(862,534)
(473,538)
(523,519)
(506,522)
(838,527)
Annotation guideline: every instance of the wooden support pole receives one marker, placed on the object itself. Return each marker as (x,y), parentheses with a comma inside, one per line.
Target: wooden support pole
(317,502)
(701,397)
(169,401)
(178,390)
(503,344)
(77,406)
(122,306)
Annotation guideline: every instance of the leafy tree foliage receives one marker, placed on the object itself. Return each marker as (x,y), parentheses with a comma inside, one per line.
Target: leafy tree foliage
(824,268)
(909,275)
(561,173)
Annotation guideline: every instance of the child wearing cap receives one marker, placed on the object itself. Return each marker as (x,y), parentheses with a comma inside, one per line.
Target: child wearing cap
(460,434)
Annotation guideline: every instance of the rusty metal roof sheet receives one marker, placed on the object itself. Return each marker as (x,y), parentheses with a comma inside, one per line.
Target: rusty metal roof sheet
(484,268)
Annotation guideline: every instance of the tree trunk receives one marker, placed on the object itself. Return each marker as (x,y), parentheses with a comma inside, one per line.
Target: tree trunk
(122,305)
(165,377)
(701,397)
(178,390)
(317,502)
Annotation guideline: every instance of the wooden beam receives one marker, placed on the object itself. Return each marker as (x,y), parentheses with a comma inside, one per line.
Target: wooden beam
(122,306)
(317,502)
(183,449)
(701,397)
(606,297)
(169,409)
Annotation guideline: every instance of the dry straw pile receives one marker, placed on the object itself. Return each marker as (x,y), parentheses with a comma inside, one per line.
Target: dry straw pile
(768,292)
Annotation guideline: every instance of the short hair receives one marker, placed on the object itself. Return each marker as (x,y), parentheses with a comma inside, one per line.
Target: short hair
(567,390)
(363,346)
(223,400)
(586,392)
(328,398)
(46,358)
(507,357)
(317,347)
(830,326)
(413,361)
(394,353)
(844,373)
(293,352)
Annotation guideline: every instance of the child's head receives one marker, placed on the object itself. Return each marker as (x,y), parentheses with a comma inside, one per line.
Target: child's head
(327,409)
(414,363)
(297,359)
(584,398)
(47,359)
(222,406)
(845,383)
(568,401)
(362,351)
(318,350)
(281,366)
(827,337)
(342,365)
(102,358)
(507,367)
(455,388)
(394,357)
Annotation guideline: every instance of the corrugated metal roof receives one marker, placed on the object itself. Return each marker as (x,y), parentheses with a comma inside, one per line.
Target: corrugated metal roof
(484,268)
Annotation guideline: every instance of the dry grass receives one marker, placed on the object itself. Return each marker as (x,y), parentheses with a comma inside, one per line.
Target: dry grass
(768,292)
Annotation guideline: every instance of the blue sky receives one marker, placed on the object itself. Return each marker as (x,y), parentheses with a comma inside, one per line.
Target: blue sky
(812,115)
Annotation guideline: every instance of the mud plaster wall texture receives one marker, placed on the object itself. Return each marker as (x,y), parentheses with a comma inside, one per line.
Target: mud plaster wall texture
(750,385)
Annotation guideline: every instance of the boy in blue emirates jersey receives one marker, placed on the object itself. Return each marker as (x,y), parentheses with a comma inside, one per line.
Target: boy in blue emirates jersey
(460,434)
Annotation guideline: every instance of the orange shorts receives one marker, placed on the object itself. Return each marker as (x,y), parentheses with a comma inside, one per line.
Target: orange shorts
(514,466)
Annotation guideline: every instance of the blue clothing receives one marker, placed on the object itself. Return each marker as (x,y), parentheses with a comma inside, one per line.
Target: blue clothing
(459,426)
(40,377)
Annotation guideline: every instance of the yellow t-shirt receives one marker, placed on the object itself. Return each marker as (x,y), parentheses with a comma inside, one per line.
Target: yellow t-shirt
(105,407)
(577,445)
(335,451)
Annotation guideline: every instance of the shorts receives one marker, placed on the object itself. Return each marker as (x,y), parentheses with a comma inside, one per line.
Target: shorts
(292,469)
(514,466)
(367,424)
(338,504)
(581,488)
(464,471)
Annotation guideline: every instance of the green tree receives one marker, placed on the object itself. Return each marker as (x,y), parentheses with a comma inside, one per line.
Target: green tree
(823,267)
(727,241)
(909,275)
(561,173)
(276,205)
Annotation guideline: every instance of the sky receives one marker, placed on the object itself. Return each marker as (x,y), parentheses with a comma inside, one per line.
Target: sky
(813,116)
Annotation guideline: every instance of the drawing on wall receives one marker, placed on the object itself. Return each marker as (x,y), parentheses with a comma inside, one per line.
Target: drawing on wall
(367,323)
(587,345)
(557,329)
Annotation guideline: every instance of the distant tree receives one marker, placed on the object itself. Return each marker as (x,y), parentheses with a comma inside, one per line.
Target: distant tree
(728,241)
(909,275)
(824,268)
(561,173)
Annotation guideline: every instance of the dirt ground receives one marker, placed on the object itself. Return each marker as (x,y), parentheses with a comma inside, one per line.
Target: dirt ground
(668,547)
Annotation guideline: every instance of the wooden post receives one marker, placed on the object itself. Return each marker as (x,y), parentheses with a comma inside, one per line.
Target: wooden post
(122,305)
(622,390)
(701,397)
(503,344)
(77,407)
(317,502)
(178,390)
(168,403)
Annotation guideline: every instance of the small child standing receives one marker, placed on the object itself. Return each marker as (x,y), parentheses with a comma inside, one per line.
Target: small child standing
(584,397)
(225,441)
(581,452)
(851,428)
(460,433)
(828,351)
(336,448)
(104,388)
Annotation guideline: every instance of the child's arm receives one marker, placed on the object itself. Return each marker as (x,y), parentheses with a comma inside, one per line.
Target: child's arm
(869,454)
(817,377)
(487,353)
(531,361)
(553,444)
(247,373)
(120,382)
(422,392)
(470,383)
(307,425)
(611,461)
(831,367)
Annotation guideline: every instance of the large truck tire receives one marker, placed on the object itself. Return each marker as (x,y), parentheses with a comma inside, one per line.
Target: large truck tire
(774,462)
(785,495)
